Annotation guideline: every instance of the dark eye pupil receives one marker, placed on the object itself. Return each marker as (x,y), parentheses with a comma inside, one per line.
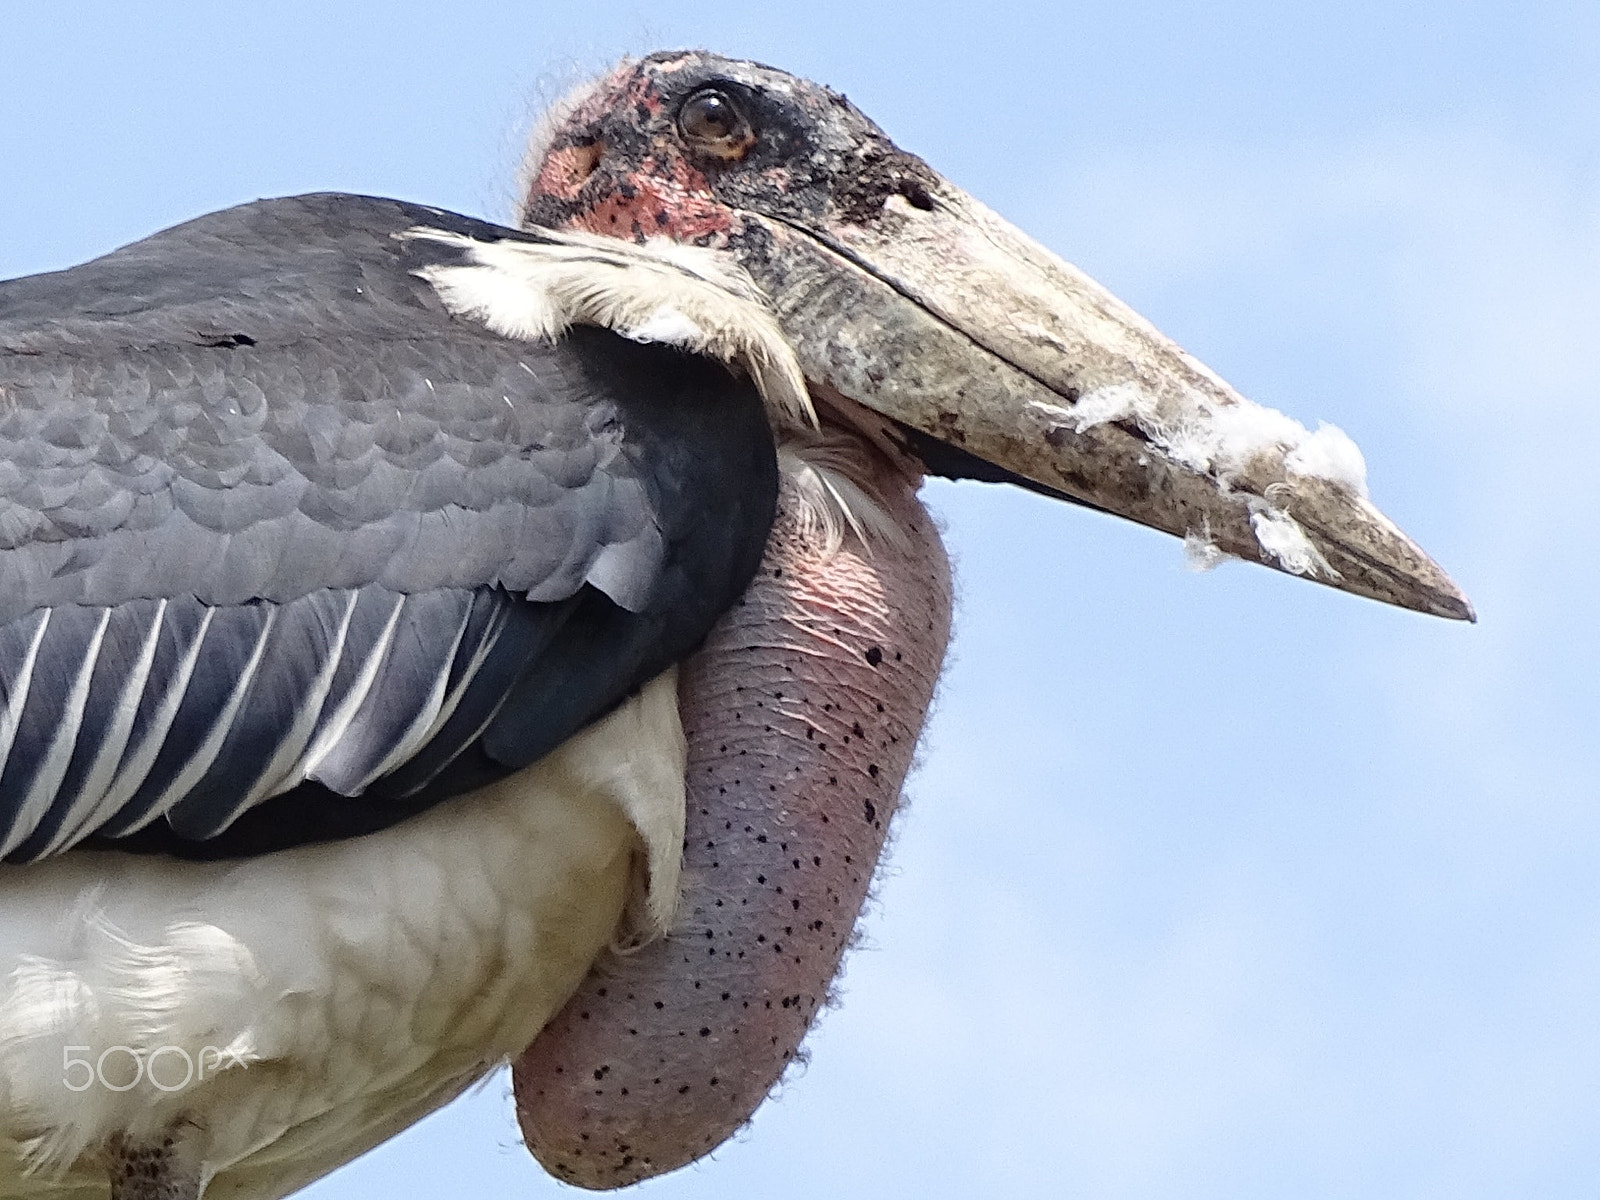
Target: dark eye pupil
(715,126)
(710,117)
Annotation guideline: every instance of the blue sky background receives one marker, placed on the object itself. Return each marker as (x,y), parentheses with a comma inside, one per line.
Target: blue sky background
(1210,886)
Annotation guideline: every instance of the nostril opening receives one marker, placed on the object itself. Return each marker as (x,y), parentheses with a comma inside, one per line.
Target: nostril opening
(915,194)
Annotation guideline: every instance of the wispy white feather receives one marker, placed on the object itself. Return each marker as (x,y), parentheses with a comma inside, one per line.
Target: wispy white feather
(660,291)
(825,470)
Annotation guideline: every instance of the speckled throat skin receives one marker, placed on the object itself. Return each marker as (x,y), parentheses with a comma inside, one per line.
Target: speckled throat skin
(802,713)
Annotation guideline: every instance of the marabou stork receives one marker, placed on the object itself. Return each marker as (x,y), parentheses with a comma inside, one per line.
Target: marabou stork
(425,642)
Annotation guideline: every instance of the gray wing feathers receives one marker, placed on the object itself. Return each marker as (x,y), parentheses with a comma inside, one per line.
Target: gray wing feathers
(61,706)
(258,745)
(231,652)
(415,662)
(180,629)
(266,514)
(337,746)
(19,652)
(116,717)
(103,789)
(359,472)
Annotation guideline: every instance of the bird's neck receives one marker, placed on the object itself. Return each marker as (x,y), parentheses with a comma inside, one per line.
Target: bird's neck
(802,713)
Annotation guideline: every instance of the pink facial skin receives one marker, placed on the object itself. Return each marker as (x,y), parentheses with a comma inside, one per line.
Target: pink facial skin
(802,712)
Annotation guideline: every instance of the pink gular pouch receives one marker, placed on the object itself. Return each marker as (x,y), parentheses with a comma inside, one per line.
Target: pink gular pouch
(801,713)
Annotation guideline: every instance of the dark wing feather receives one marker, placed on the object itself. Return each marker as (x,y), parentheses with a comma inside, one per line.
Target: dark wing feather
(287,552)
(416,655)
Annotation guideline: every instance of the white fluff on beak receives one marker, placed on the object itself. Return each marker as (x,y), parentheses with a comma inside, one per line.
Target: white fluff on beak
(1280,535)
(1221,439)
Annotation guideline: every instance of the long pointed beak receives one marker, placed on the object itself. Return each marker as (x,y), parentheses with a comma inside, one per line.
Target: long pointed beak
(942,316)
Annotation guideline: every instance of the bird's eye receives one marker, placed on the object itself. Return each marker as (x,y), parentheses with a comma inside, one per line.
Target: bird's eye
(713,124)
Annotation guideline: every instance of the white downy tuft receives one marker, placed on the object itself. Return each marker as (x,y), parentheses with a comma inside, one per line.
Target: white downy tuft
(824,470)
(1221,439)
(1280,535)
(666,325)
(1330,454)
(662,291)
(1201,552)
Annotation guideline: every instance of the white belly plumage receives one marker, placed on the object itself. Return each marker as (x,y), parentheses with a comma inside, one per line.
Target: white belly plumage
(303,1006)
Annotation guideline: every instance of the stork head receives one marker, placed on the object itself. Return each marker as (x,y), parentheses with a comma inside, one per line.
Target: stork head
(925,319)
(687,145)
